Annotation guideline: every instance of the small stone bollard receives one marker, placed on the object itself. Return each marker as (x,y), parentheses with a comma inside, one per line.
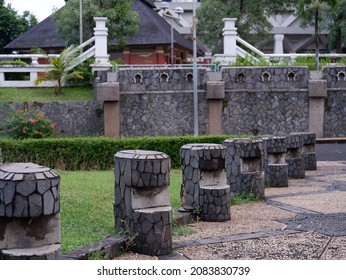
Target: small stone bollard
(275,166)
(29,212)
(244,166)
(309,154)
(294,157)
(142,204)
(204,185)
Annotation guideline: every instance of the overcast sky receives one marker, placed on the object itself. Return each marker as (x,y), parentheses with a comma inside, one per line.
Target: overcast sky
(40,8)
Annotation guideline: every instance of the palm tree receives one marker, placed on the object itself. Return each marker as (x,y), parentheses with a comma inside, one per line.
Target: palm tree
(61,72)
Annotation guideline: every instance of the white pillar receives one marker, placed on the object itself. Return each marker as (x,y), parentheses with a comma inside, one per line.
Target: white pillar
(2,77)
(279,43)
(101,53)
(229,40)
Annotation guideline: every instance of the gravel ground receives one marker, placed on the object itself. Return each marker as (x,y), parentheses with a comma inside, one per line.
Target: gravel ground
(245,218)
(301,246)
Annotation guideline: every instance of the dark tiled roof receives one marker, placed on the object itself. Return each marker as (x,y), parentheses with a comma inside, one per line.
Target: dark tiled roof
(153,30)
(42,35)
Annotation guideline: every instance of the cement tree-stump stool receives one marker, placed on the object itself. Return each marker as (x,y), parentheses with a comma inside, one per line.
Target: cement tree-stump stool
(309,154)
(142,204)
(275,166)
(215,202)
(29,212)
(294,157)
(204,181)
(244,166)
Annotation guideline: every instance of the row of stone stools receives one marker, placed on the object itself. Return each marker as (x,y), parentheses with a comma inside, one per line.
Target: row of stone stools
(30,196)
(210,174)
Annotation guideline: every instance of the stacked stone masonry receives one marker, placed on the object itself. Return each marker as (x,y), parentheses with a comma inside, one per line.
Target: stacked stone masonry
(82,118)
(29,212)
(142,204)
(244,166)
(259,100)
(309,154)
(204,181)
(294,158)
(334,109)
(275,166)
(215,203)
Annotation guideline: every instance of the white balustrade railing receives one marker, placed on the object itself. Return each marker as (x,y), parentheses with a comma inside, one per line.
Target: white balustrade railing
(233,43)
(32,69)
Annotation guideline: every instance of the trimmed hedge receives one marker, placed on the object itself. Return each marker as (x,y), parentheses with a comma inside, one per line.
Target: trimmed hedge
(93,153)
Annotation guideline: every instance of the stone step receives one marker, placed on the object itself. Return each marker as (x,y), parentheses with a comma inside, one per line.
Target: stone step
(48,252)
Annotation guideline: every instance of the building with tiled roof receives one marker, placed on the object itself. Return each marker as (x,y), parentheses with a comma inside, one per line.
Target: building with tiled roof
(150,46)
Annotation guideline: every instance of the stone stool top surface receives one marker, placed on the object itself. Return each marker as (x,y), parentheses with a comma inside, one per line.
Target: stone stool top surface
(274,138)
(243,140)
(204,146)
(18,170)
(309,138)
(23,168)
(141,154)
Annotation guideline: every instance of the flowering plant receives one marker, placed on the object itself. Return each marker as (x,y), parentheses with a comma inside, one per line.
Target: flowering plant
(22,124)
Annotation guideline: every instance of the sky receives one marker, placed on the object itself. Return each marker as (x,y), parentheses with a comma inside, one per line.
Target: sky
(40,8)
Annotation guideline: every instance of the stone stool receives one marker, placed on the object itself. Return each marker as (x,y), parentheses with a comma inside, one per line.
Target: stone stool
(142,203)
(204,181)
(294,157)
(309,154)
(29,212)
(275,166)
(244,166)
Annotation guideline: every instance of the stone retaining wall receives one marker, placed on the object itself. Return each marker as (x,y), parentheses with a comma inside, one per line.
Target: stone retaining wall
(83,118)
(274,112)
(250,100)
(153,114)
(265,77)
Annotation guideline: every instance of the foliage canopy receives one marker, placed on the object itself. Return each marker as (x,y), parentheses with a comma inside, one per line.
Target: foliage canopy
(12,25)
(252,17)
(122,20)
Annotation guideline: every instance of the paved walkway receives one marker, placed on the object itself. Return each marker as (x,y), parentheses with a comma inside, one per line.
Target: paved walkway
(307,220)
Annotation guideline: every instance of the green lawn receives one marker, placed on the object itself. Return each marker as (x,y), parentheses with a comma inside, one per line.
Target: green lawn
(38,94)
(87,205)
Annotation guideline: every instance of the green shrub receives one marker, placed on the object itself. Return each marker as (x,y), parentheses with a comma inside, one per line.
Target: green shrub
(16,62)
(27,124)
(93,153)
(86,71)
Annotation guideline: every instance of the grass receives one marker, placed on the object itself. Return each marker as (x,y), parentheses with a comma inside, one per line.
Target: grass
(244,198)
(87,205)
(40,94)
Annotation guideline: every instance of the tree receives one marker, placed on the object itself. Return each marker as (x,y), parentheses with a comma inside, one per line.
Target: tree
(122,20)
(314,13)
(13,25)
(60,71)
(251,18)
(337,26)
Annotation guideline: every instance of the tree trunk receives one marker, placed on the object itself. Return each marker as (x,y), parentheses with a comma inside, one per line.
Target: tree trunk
(58,88)
(317,57)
